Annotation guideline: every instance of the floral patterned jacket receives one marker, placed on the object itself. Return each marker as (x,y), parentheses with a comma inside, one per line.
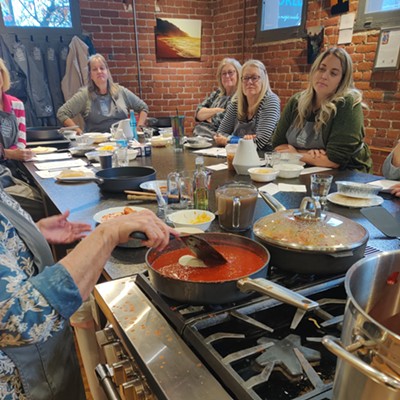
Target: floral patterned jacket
(33,306)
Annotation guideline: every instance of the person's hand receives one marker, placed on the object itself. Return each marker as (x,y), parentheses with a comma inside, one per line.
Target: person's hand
(395,190)
(285,148)
(18,154)
(145,221)
(58,230)
(248,137)
(220,140)
(316,153)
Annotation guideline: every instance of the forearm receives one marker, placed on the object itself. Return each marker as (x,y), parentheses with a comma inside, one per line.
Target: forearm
(205,114)
(142,118)
(85,263)
(318,161)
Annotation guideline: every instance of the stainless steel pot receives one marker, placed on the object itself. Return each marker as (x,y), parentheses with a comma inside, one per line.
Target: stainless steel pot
(369,350)
(307,241)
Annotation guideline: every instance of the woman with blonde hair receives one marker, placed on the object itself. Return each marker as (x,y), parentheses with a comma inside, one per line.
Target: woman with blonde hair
(325,122)
(254,110)
(102,102)
(211,111)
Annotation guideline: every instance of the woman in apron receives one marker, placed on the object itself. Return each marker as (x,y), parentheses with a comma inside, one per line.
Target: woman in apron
(254,110)
(325,122)
(38,296)
(103,102)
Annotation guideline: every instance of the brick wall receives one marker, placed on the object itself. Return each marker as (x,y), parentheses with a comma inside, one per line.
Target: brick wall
(228,29)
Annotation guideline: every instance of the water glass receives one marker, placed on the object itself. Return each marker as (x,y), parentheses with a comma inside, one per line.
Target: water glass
(272,158)
(180,190)
(148,133)
(320,185)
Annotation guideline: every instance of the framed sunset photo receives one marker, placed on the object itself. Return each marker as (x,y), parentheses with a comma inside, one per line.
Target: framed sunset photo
(178,39)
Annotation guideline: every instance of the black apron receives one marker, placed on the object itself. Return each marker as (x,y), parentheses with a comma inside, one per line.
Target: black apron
(48,370)
(105,111)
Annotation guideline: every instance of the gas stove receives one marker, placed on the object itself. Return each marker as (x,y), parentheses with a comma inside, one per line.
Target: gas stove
(244,350)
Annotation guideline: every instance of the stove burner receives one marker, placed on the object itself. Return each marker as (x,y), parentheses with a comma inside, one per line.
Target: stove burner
(283,356)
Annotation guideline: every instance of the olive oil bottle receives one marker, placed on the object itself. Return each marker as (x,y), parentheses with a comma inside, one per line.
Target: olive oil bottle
(200,185)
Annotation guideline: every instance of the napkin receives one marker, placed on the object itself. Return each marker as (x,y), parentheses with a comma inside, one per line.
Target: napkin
(314,170)
(53,174)
(286,187)
(271,188)
(60,164)
(217,167)
(52,156)
(212,152)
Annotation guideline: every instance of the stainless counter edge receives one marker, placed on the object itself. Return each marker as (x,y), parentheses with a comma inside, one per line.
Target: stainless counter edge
(169,363)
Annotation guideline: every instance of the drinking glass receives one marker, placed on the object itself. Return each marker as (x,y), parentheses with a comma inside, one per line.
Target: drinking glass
(272,158)
(320,185)
(106,160)
(230,155)
(178,131)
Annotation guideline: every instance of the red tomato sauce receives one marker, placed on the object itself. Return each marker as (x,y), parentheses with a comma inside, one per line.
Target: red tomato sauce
(241,263)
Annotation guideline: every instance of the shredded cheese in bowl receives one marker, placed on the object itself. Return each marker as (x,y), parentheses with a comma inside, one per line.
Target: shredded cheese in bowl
(200,218)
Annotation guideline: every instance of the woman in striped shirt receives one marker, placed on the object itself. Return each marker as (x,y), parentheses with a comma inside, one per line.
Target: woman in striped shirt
(254,110)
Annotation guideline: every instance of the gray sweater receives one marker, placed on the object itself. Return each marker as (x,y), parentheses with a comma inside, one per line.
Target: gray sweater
(389,171)
(81,103)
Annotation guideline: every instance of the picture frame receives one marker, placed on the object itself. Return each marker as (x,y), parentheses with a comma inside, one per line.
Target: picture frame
(178,39)
(388,52)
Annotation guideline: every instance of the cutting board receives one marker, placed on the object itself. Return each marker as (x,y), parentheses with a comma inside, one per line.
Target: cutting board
(383,220)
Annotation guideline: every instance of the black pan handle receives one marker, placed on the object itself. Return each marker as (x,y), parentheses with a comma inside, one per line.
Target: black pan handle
(143,236)
(139,235)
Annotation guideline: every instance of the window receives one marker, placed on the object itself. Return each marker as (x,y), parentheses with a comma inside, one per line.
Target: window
(375,14)
(49,15)
(280,19)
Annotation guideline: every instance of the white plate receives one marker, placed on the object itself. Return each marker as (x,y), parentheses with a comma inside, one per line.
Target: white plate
(198,145)
(87,178)
(99,215)
(339,199)
(150,185)
(97,137)
(44,150)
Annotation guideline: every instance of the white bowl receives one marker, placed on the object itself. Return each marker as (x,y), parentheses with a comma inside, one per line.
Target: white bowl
(93,156)
(192,218)
(159,141)
(97,137)
(288,171)
(262,174)
(80,151)
(71,135)
(290,158)
(357,190)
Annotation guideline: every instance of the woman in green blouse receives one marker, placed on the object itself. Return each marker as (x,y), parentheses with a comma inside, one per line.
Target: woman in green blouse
(325,122)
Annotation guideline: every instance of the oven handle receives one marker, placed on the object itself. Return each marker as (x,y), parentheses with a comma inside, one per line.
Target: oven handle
(106,382)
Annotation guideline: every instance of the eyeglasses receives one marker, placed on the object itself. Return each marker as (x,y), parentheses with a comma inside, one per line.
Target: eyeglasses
(251,79)
(228,73)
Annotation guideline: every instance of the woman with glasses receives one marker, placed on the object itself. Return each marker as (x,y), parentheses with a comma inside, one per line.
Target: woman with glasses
(211,111)
(325,122)
(254,110)
(102,102)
